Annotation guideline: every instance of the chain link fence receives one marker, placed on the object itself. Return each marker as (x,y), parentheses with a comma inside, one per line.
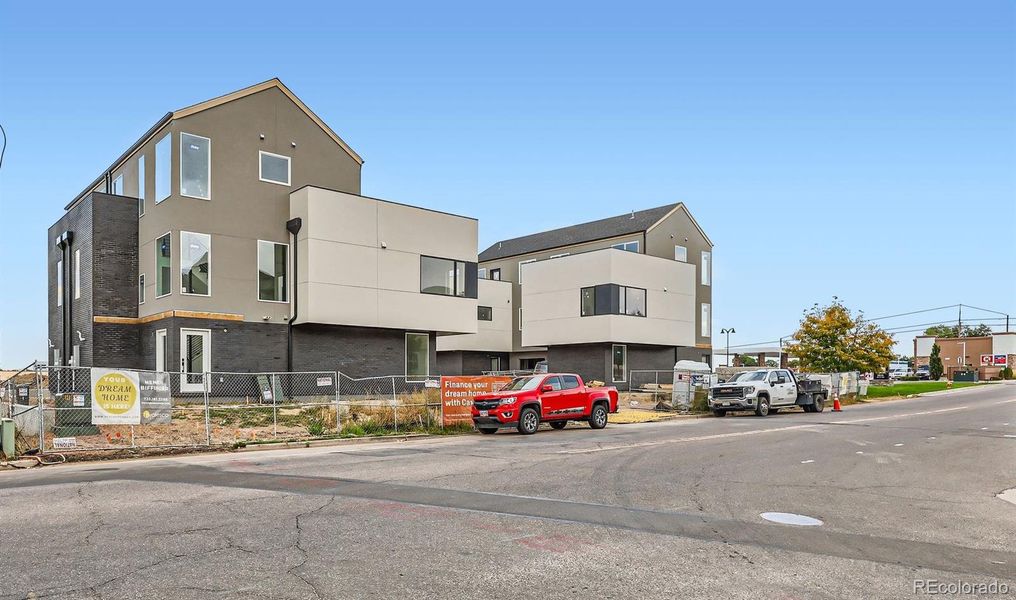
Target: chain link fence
(53,408)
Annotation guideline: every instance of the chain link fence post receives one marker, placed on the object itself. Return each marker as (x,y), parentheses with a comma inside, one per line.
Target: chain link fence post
(275,405)
(208,416)
(395,406)
(338,398)
(42,417)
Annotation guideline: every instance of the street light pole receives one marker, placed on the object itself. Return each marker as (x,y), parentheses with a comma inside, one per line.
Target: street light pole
(728,332)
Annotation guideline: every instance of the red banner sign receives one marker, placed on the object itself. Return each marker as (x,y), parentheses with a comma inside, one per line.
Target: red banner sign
(457,395)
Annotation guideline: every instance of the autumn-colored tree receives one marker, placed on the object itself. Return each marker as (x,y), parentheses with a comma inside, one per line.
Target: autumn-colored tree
(832,339)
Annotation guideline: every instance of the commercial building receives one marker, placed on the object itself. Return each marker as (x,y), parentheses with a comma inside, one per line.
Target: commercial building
(632,291)
(232,236)
(987,354)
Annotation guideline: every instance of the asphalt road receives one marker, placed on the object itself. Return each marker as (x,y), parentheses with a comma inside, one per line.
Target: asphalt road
(906,491)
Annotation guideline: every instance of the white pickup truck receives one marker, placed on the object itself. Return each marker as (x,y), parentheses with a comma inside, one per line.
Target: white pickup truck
(766,391)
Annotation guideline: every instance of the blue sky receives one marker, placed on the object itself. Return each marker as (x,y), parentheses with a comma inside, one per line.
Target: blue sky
(866,149)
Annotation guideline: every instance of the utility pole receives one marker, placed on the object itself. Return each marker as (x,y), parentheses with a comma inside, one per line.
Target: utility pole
(959,323)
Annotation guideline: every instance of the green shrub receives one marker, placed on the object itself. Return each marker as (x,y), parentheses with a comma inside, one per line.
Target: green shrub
(351,430)
(315,427)
(1006,373)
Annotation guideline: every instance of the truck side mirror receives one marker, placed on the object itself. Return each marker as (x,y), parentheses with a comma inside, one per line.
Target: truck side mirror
(547,388)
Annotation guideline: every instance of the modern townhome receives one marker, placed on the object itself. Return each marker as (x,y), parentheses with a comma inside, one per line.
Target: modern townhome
(601,298)
(232,236)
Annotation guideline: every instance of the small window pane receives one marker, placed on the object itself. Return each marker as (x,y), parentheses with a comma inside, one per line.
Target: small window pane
(163,150)
(141,180)
(707,325)
(118,186)
(141,288)
(554,382)
(495,274)
(588,302)
(632,246)
(484,313)
(635,303)
(59,283)
(681,253)
(163,264)
(77,274)
(437,276)
(707,268)
(619,362)
(417,355)
(481,273)
(570,382)
(274,168)
(195,263)
(272,264)
(195,165)
(460,279)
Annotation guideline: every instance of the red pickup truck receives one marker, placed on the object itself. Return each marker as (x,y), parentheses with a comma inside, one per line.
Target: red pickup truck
(553,397)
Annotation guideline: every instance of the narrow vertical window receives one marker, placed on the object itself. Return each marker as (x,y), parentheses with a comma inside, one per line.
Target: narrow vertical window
(273,260)
(118,185)
(707,268)
(417,355)
(163,265)
(707,324)
(195,263)
(141,288)
(619,362)
(163,170)
(520,318)
(195,166)
(59,283)
(77,274)
(141,185)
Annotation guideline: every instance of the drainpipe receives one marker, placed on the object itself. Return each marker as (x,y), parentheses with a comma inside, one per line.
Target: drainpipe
(63,242)
(293,226)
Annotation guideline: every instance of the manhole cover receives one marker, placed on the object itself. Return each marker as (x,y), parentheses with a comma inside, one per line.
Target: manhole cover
(790,519)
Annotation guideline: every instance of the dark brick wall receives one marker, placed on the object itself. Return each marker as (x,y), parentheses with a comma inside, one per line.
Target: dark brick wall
(78,311)
(116,345)
(696,354)
(449,363)
(468,363)
(356,351)
(115,256)
(593,361)
(237,346)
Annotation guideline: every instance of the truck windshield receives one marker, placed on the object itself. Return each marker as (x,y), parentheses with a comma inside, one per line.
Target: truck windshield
(753,376)
(521,384)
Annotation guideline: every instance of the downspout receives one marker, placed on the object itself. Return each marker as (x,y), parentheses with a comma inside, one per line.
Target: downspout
(293,226)
(63,242)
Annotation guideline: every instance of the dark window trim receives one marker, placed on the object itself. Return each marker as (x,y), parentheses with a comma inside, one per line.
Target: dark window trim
(615,292)
(468,287)
(491,313)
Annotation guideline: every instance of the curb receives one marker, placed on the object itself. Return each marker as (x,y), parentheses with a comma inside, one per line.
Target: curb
(339,442)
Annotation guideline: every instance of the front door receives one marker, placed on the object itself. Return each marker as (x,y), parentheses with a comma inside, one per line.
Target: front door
(195,358)
(553,400)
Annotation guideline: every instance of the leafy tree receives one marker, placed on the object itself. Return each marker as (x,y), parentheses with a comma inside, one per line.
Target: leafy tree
(935,362)
(951,331)
(749,361)
(979,330)
(832,339)
(771,363)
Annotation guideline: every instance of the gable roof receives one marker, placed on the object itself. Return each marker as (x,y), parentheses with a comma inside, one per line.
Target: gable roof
(628,223)
(212,103)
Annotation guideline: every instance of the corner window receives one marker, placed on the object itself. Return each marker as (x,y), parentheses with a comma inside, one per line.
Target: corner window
(417,355)
(632,246)
(195,263)
(141,288)
(141,185)
(118,185)
(163,177)
(524,262)
(681,253)
(273,168)
(619,362)
(59,283)
(707,268)
(484,313)
(163,265)
(612,299)
(273,261)
(77,274)
(707,323)
(195,166)
(447,277)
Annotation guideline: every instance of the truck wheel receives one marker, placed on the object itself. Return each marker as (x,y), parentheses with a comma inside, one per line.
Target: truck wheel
(598,420)
(488,430)
(808,407)
(819,404)
(558,424)
(719,412)
(529,421)
(762,406)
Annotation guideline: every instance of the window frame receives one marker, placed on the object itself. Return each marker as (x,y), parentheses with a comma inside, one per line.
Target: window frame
(498,272)
(257,271)
(624,363)
(77,273)
(59,282)
(481,273)
(490,311)
(706,318)
(261,177)
(457,265)
(520,318)
(117,183)
(621,246)
(180,263)
(685,249)
(405,358)
(168,175)
(612,290)
(706,266)
(524,262)
(164,335)
(168,234)
(209,166)
(141,185)
(141,289)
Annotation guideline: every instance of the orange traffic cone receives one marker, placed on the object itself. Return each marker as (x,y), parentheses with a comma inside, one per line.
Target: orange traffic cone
(836,404)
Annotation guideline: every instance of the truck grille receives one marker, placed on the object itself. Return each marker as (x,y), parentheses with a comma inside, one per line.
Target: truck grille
(486,404)
(728,392)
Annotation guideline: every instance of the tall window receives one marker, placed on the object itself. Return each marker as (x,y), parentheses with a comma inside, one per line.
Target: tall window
(59,283)
(619,362)
(681,253)
(484,313)
(520,318)
(417,355)
(141,288)
(273,261)
(612,299)
(118,185)
(163,265)
(273,168)
(707,320)
(163,171)
(141,185)
(707,268)
(447,277)
(632,246)
(77,274)
(195,263)
(195,166)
